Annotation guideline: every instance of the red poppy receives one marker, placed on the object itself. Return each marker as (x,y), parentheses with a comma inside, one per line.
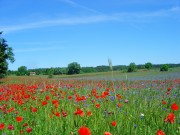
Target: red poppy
(2,126)
(88,113)
(170,118)
(58,114)
(160,132)
(164,102)
(10,127)
(28,130)
(34,109)
(44,103)
(119,105)
(25,124)
(174,107)
(98,106)
(79,112)
(169,89)
(84,131)
(47,97)
(19,118)
(107,133)
(113,123)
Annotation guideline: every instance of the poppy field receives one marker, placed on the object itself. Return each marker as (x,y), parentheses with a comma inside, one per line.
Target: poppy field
(40,106)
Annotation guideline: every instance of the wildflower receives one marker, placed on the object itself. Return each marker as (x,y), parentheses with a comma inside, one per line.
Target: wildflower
(112,98)
(126,101)
(107,133)
(84,131)
(47,97)
(88,113)
(79,112)
(160,132)
(119,105)
(44,103)
(2,126)
(98,106)
(170,118)
(174,107)
(33,109)
(10,127)
(28,130)
(58,114)
(19,118)
(164,102)
(168,89)
(25,124)
(113,123)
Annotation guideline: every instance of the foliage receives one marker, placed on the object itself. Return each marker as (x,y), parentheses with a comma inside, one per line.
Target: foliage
(132,67)
(164,67)
(148,65)
(22,70)
(74,68)
(50,73)
(6,53)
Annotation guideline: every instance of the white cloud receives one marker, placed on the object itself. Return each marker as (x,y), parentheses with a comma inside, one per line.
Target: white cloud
(119,17)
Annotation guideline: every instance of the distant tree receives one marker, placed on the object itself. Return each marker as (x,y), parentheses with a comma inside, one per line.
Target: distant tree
(132,67)
(164,67)
(6,53)
(22,70)
(148,65)
(74,68)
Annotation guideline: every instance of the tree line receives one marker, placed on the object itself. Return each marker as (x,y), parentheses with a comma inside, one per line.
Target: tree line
(75,68)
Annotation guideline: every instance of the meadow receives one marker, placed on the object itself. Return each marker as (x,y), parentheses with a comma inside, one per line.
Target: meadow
(143,103)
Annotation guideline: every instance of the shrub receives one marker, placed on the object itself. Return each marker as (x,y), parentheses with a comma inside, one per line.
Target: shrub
(164,67)
(132,67)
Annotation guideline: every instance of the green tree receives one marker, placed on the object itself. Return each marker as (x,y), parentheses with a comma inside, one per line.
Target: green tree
(132,67)
(74,68)
(22,70)
(164,67)
(6,53)
(148,65)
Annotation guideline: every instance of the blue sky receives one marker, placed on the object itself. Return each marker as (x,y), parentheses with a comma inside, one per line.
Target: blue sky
(54,33)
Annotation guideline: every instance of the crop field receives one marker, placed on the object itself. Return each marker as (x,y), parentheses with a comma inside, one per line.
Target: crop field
(41,106)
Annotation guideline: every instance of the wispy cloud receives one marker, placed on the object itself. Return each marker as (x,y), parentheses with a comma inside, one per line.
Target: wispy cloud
(119,17)
(74,4)
(39,49)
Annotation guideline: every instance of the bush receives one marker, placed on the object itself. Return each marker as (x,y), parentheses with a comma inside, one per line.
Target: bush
(74,68)
(132,67)
(148,65)
(164,67)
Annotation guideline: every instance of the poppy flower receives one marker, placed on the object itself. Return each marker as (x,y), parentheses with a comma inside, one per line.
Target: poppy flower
(47,97)
(98,105)
(88,113)
(79,112)
(164,102)
(169,89)
(84,131)
(174,107)
(113,123)
(19,118)
(170,118)
(33,110)
(25,124)
(160,132)
(58,114)
(107,133)
(10,127)
(2,126)
(44,103)
(28,130)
